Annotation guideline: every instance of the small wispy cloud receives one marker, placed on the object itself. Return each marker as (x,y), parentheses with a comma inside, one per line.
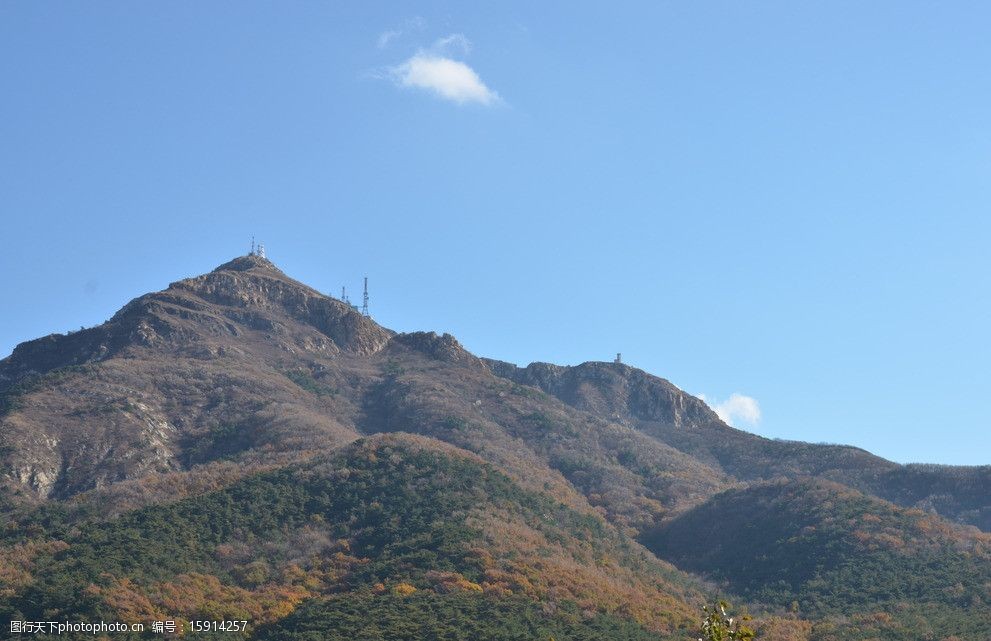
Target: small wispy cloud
(388,36)
(436,70)
(736,409)
(455,41)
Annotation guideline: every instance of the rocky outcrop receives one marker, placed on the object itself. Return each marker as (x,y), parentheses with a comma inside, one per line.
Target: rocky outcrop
(614,390)
(444,348)
(253,283)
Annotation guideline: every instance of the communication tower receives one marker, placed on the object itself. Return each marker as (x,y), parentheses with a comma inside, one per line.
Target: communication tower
(257,249)
(364,299)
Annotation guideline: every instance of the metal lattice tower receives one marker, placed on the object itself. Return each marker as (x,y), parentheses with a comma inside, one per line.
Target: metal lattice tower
(257,249)
(364,299)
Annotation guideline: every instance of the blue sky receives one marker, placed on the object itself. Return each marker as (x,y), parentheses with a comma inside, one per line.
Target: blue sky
(783,201)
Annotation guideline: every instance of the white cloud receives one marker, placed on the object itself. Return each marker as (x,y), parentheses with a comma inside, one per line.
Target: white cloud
(736,409)
(437,68)
(448,78)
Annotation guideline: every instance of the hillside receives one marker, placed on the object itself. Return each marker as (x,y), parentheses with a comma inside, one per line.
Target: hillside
(822,549)
(658,408)
(386,517)
(240,443)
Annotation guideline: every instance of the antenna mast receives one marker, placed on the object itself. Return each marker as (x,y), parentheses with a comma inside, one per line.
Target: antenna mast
(364,302)
(257,249)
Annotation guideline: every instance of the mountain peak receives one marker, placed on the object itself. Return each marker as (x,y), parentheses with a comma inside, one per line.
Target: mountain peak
(246,306)
(247,263)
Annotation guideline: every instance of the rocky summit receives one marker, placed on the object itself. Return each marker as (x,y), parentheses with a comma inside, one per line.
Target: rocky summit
(241,446)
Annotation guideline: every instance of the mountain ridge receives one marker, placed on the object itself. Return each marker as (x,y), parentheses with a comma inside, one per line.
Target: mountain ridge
(248,311)
(243,374)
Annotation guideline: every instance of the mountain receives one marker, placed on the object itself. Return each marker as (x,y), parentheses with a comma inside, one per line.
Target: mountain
(658,408)
(241,445)
(200,371)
